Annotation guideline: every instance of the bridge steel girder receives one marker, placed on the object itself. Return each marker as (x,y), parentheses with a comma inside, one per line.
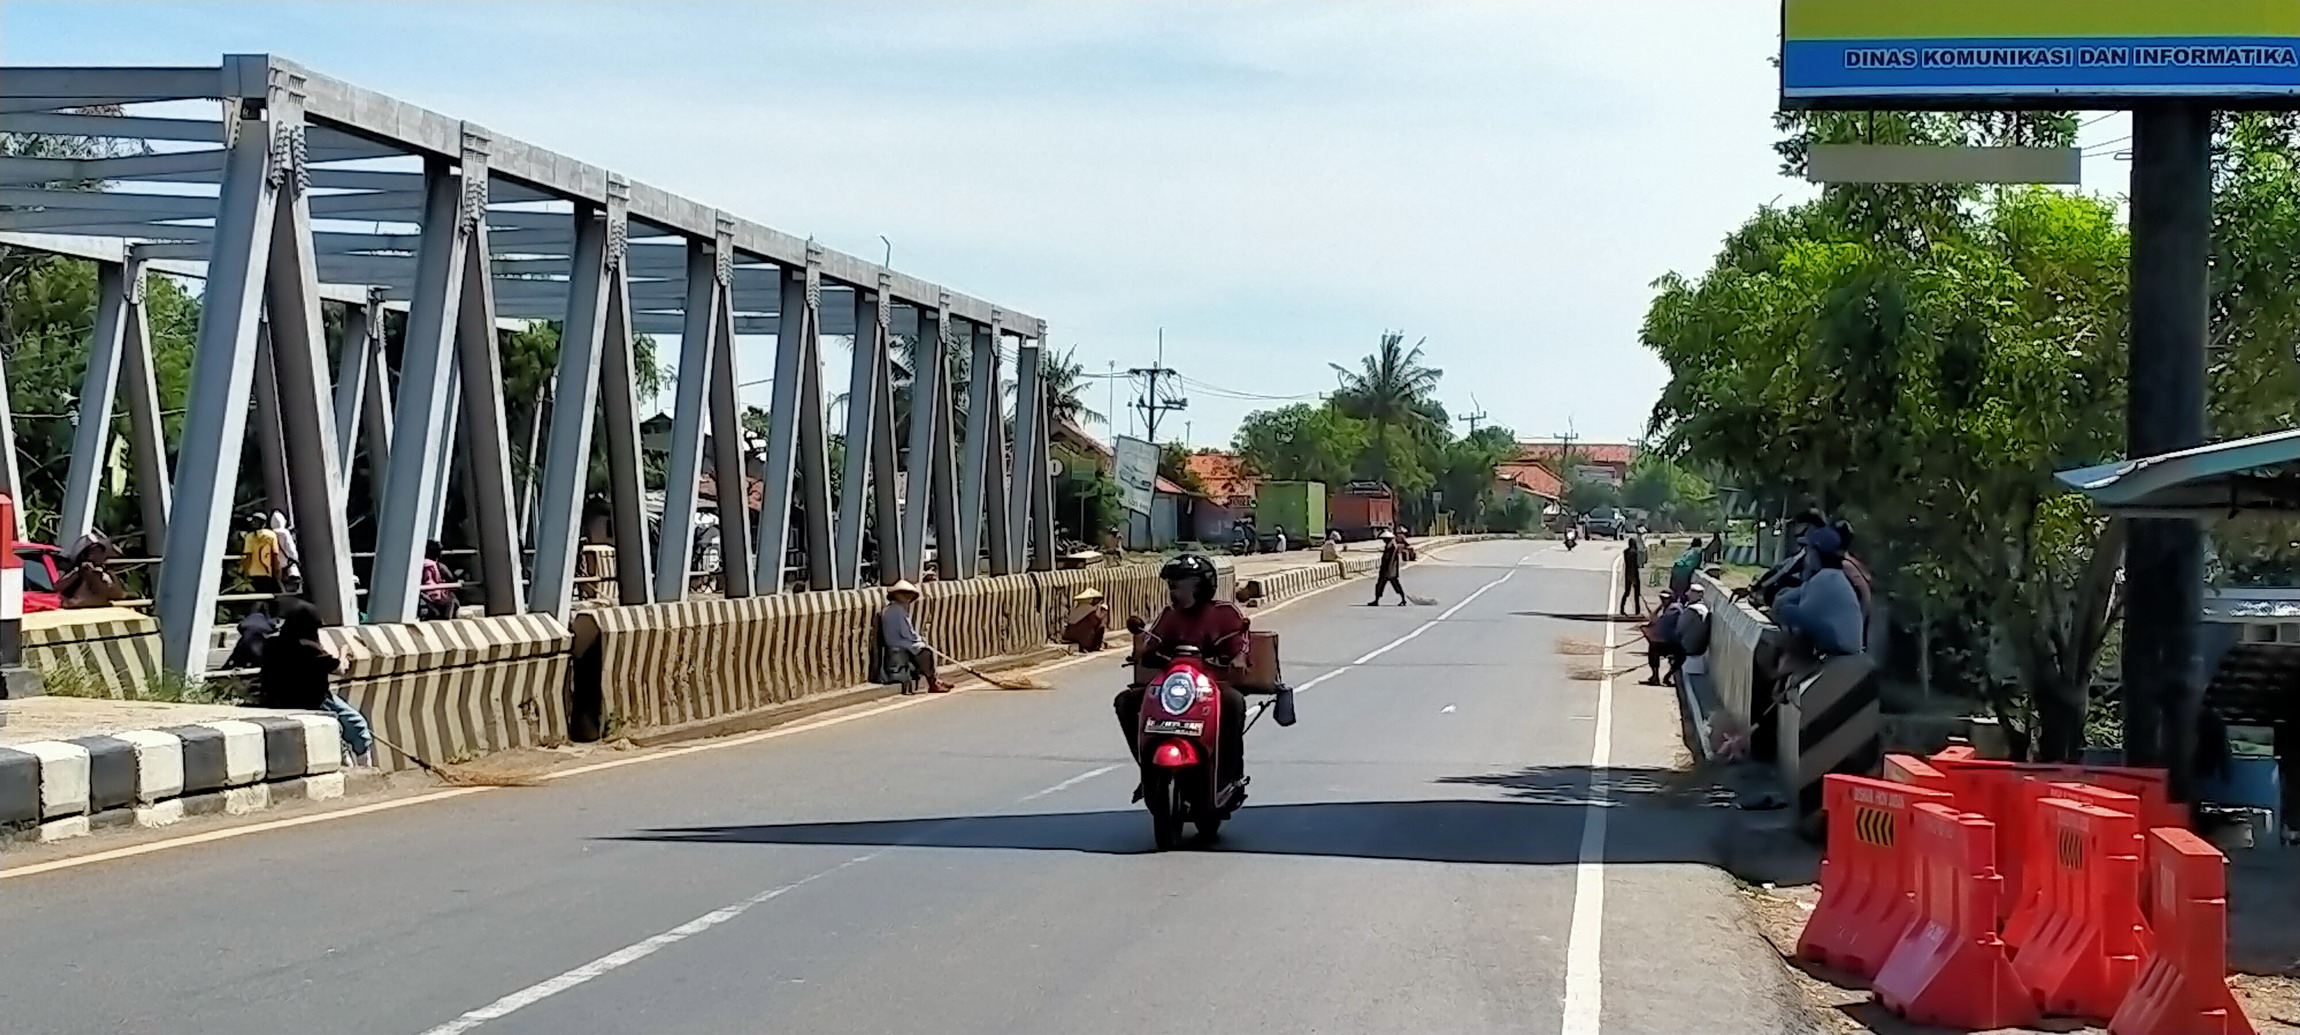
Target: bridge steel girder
(864,469)
(681,480)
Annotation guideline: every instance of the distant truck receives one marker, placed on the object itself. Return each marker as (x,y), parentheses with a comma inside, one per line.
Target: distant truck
(1362,509)
(1297,507)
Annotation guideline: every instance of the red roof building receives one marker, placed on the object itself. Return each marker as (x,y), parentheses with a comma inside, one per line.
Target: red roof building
(1613,458)
(1227,481)
(1531,477)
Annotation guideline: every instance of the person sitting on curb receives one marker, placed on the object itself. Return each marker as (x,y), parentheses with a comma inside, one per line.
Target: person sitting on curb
(1088,622)
(295,673)
(907,656)
(90,582)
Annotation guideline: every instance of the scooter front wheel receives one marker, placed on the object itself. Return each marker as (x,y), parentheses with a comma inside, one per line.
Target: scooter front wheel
(1163,794)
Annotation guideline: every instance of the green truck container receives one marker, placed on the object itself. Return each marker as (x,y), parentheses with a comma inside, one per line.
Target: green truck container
(1298,507)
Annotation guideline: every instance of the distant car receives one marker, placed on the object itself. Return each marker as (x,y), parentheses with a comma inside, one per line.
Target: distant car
(43,566)
(1610,525)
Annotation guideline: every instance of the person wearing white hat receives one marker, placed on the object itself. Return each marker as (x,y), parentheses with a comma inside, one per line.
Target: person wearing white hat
(908,655)
(1088,621)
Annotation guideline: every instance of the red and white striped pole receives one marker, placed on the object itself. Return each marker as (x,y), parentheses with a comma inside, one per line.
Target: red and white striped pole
(11,588)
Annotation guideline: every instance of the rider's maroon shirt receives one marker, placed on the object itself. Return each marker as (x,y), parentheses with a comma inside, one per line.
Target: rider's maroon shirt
(1218,630)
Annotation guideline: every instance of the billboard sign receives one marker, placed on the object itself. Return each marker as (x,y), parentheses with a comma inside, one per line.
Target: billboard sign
(2040,53)
(1137,473)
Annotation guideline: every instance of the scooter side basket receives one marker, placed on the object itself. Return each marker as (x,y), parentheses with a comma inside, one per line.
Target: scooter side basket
(1262,673)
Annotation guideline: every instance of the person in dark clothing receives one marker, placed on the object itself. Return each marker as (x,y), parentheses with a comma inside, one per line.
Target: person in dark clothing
(1221,635)
(1395,554)
(1792,568)
(1632,600)
(296,673)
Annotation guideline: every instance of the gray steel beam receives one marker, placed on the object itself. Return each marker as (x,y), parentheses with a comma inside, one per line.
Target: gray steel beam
(362,335)
(215,425)
(894,544)
(675,550)
(92,434)
(375,416)
(949,555)
(1041,470)
(449,462)
(420,425)
(299,362)
(271,444)
(198,131)
(788,438)
(814,445)
(1029,466)
(728,454)
(927,389)
(619,409)
(981,386)
(140,392)
(486,443)
(997,539)
(872,312)
(567,464)
(71,84)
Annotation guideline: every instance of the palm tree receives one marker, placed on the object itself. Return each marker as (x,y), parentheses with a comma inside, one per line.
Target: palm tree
(1392,390)
(1065,380)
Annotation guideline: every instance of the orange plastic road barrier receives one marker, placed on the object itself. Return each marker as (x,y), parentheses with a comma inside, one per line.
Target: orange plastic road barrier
(1951,968)
(1866,877)
(2028,911)
(1916,772)
(1991,788)
(1955,753)
(2089,944)
(2128,804)
(2184,990)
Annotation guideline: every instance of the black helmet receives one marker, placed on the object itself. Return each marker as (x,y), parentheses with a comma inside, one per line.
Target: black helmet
(1185,565)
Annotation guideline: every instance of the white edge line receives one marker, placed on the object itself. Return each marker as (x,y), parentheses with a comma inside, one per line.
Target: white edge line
(1069,783)
(1584,952)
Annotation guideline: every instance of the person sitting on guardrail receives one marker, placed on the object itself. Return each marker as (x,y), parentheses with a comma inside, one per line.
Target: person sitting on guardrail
(296,672)
(90,582)
(1088,621)
(1792,568)
(1660,632)
(1824,609)
(437,599)
(907,655)
(1687,565)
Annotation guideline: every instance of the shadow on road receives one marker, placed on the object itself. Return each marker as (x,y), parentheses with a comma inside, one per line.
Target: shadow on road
(1538,822)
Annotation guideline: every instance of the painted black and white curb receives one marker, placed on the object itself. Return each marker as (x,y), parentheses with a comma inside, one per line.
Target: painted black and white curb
(54,789)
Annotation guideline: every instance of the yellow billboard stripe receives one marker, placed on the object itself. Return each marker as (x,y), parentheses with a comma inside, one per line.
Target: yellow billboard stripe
(2031,19)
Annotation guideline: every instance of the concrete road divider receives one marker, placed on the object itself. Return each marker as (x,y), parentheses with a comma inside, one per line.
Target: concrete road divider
(450,690)
(1866,878)
(1950,968)
(2183,990)
(55,789)
(2089,942)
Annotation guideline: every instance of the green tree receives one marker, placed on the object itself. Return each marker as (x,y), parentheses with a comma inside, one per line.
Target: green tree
(1302,442)
(1174,466)
(1391,390)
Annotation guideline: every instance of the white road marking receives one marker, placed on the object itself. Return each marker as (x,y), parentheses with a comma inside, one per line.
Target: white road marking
(1432,623)
(1584,997)
(1447,710)
(628,955)
(1069,783)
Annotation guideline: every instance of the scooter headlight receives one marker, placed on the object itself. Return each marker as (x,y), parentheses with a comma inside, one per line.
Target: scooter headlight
(1177,693)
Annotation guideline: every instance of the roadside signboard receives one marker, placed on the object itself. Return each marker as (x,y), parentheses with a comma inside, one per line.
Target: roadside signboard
(1137,473)
(2038,53)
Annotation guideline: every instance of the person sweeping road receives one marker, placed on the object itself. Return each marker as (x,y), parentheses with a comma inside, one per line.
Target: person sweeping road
(1395,554)
(906,655)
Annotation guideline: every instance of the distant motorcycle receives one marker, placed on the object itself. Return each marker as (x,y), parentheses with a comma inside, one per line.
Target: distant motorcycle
(1572,538)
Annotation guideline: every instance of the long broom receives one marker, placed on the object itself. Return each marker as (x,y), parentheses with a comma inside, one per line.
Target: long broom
(1011,683)
(454,774)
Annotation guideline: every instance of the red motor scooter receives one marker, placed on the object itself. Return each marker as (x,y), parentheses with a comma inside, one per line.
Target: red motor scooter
(1181,743)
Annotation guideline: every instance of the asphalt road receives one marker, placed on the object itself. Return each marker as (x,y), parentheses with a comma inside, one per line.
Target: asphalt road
(1426,850)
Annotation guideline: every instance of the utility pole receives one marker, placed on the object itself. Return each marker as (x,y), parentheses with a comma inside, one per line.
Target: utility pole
(1473,418)
(1151,405)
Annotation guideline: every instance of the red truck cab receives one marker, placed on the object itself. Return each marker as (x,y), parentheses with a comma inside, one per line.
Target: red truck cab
(1361,510)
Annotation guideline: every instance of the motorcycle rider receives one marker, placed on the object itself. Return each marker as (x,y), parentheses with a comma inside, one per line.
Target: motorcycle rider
(1218,630)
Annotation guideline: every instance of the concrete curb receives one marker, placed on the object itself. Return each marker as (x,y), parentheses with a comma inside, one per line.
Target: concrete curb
(54,789)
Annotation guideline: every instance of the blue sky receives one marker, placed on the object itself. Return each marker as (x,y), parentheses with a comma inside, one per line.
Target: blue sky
(1274,183)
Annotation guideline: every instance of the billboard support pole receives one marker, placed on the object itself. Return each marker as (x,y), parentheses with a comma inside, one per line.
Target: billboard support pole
(2165,411)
